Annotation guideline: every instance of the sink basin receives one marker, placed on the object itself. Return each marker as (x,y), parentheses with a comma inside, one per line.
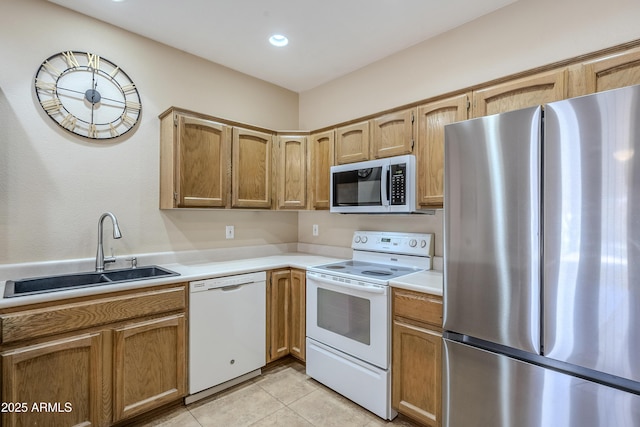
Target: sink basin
(40,285)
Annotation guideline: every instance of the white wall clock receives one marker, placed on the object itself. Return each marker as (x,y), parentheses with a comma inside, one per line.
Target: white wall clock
(87,95)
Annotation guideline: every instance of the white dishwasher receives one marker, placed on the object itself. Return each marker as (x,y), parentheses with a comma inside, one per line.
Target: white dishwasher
(227,323)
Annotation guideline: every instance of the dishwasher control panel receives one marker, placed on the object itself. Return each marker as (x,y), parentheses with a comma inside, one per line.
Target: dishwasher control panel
(227,281)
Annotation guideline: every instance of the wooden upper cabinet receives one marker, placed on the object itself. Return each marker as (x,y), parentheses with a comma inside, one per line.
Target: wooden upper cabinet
(251,169)
(322,158)
(525,92)
(352,143)
(195,161)
(291,172)
(393,134)
(203,162)
(612,72)
(432,119)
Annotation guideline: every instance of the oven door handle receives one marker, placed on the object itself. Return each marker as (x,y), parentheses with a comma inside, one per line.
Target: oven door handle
(363,288)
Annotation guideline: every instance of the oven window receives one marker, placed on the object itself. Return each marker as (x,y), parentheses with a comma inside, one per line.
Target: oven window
(358,187)
(345,315)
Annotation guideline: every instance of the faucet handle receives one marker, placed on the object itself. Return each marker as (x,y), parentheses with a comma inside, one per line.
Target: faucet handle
(134,261)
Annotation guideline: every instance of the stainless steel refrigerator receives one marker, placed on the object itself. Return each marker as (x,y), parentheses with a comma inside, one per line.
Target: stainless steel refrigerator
(542,266)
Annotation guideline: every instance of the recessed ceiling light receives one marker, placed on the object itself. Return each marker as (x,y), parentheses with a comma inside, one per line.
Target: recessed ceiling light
(278,40)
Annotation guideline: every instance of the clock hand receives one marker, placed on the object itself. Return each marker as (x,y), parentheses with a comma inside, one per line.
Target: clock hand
(113,100)
(93,86)
(82,93)
(70,90)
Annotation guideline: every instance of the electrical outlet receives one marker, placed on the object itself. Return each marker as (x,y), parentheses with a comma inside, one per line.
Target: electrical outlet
(229,231)
(315,229)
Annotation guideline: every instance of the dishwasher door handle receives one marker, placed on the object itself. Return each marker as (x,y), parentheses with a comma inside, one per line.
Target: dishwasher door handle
(228,288)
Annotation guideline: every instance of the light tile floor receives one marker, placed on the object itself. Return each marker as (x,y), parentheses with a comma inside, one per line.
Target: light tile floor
(282,396)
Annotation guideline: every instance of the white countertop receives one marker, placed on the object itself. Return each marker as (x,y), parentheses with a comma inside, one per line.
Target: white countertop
(188,271)
(195,269)
(429,281)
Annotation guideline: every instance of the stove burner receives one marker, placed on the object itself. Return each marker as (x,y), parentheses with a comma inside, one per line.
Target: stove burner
(335,267)
(376,273)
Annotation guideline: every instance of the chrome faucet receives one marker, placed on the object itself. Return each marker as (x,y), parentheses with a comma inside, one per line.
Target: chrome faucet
(100,259)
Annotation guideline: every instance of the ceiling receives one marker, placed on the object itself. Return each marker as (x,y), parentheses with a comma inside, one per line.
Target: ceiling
(327,38)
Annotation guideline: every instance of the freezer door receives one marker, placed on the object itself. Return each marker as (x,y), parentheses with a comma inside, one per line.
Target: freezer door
(592,232)
(482,389)
(491,233)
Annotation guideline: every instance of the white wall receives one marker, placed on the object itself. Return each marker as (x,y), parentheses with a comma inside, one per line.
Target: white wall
(54,186)
(519,37)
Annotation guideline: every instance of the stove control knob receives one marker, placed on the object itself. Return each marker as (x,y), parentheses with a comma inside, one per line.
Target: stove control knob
(413,243)
(423,244)
(357,239)
(364,239)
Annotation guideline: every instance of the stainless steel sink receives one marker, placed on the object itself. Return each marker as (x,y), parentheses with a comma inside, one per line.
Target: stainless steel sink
(40,285)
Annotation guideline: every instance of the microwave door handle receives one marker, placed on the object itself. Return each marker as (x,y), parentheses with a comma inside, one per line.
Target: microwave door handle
(384,187)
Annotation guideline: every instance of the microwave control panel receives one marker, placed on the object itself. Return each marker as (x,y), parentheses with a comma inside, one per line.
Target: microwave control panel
(398,177)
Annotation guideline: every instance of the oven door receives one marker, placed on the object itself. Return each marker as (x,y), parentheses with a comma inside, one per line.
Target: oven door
(350,317)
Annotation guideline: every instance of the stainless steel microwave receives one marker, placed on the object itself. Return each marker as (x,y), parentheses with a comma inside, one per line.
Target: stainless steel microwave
(376,186)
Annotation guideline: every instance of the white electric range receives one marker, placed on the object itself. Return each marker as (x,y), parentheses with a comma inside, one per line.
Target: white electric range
(349,315)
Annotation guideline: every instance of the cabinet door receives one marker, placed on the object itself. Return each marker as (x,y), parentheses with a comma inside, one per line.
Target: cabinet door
(432,119)
(251,169)
(203,163)
(278,313)
(322,158)
(65,373)
(612,72)
(291,172)
(526,92)
(416,367)
(393,134)
(298,329)
(149,365)
(352,143)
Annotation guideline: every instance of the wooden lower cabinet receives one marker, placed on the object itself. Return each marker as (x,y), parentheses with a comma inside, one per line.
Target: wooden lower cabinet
(149,365)
(278,295)
(54,383)
(297,324)
(417,356)
(107,361)
(286,332)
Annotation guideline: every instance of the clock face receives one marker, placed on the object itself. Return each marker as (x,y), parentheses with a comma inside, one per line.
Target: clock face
(87,95)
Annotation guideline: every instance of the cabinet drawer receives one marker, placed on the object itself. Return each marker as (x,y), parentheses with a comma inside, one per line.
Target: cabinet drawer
(418,306)
(57,319)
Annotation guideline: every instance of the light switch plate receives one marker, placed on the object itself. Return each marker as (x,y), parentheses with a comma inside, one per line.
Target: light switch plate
(315,230)
(229,231)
